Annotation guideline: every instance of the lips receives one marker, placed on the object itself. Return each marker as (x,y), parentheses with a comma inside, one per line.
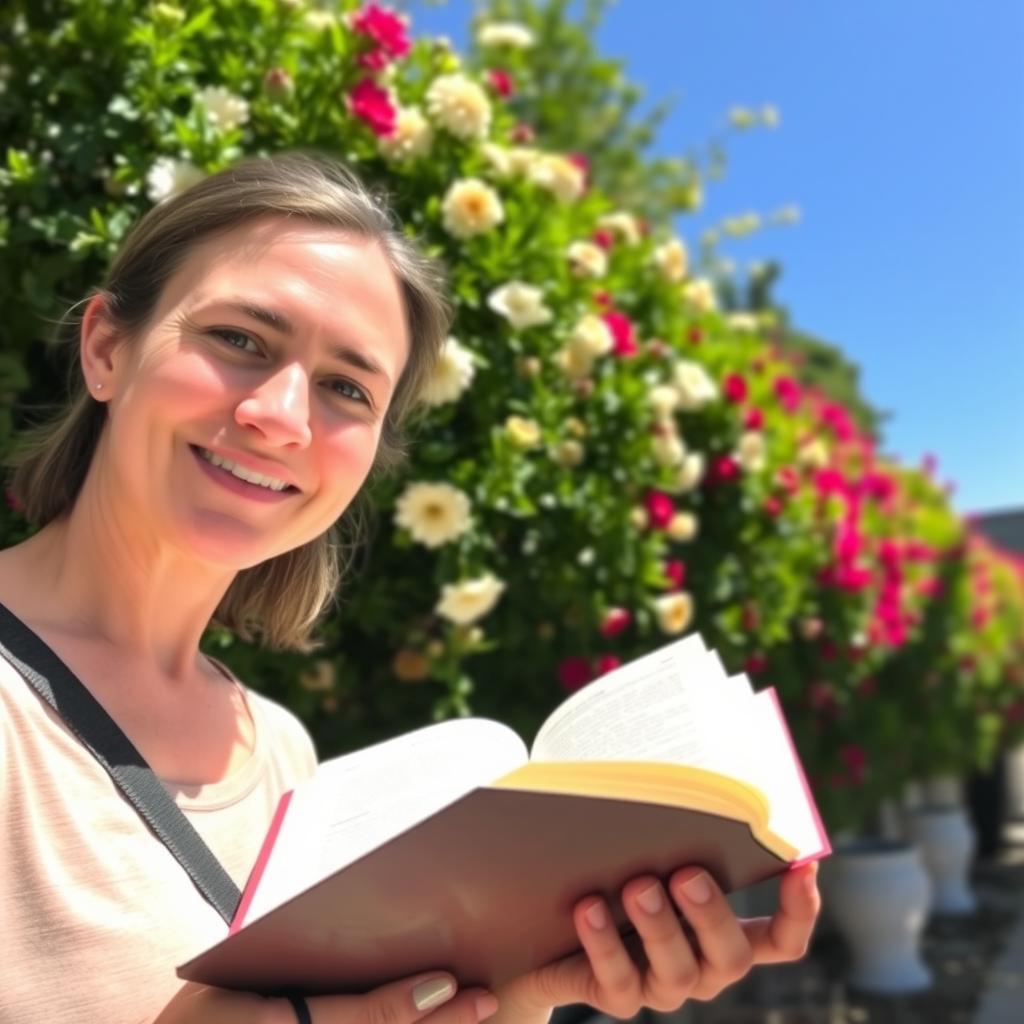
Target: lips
(237,486)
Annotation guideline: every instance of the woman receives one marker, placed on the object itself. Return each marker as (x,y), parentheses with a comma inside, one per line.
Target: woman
(249,360)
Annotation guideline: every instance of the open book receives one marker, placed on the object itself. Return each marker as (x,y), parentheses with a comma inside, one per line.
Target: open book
(453,847)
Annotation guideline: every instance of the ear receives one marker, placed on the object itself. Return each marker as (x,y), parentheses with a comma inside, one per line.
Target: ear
(98,343)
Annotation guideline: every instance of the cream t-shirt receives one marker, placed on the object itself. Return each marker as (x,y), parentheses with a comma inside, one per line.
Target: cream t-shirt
(95,913)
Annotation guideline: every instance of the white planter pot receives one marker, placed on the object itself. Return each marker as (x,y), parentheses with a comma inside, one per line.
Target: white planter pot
(878,895)
(943,791)
(946,839)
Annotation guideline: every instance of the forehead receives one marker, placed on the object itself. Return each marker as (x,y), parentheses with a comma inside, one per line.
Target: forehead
(310,270)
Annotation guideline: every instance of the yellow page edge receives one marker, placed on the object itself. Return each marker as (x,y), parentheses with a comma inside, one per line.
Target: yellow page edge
(658,782)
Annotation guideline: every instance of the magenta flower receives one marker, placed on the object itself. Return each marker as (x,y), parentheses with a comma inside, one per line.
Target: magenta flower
(788,392)
(574,673)
(724,470)
(372,105)
(384,27)
(615,621)
(605,664)
(675,570)
(660,509)
(501,82)
(734,387)
(623,335)
(754,419)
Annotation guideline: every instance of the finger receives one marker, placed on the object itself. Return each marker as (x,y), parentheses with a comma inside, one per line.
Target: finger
(673,968)
(787,934)
(725,951)
(429,997)
(616,978)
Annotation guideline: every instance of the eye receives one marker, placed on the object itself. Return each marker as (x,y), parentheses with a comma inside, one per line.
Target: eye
(236,339)
(345,388)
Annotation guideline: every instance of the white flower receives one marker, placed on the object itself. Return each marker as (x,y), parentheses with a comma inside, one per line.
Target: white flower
(742,321)
(521,304)
(319,20)
(751,451)
(557,175)
(674,612)
(786,215)
(813,454)
(622,224)
(471,207)
(223,109)
(499,158)
(522,158)
(574,361)
(469,600)
(592,335)
(691,472)
(700,294)
(459,105)
(770,116)
(568,453)
(682,526)
(693,385)
(671,260)
(588,259)
(505,33)
(434,513)
(452,374)
(669,449)
(411,138)
(523,433)
(169,177)
(742,117)
(664,400)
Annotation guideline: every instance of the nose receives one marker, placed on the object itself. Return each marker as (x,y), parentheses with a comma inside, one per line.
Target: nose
(279,408)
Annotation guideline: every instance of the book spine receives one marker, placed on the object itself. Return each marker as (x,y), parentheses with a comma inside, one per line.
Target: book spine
(256,874)
(826,846)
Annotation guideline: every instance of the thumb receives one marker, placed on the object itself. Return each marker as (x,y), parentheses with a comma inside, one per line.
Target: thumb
(406,1001)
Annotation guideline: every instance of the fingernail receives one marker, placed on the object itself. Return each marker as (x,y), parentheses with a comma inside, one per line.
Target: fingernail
(486,1006)
(428,994)
(650,899)
(596,916)
(698,888)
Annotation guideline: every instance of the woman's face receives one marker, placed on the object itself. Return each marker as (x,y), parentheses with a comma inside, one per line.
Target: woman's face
(248,415)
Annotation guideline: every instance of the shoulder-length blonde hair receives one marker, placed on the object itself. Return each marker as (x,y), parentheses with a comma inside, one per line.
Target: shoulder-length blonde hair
(280,600)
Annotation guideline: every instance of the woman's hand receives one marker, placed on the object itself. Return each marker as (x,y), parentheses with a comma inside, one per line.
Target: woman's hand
(608,978)
(424,999)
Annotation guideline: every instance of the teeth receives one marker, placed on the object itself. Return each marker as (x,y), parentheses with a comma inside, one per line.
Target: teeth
(244,474)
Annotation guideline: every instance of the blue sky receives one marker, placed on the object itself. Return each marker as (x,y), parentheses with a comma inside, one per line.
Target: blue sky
(902,141)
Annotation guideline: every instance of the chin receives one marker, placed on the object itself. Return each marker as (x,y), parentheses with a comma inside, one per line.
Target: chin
(225,542)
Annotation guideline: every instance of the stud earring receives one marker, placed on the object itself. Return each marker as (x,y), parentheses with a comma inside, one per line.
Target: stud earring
(99,387)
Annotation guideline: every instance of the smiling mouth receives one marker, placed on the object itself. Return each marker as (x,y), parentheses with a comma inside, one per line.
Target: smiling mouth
(247,476)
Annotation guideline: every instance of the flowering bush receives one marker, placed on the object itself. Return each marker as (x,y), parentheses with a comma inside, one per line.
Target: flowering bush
(606,460)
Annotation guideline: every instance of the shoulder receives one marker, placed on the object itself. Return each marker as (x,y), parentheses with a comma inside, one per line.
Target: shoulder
(288,739)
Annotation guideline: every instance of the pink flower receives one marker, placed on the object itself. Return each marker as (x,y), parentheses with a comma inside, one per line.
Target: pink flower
(623,336)
(788,392)
(753,420)
(522,134)
(676,572)
(372,104)
(501,82)
(821,697)
(373,60)
(856,761)
(930,587)
(384,27)
(734,387)
(724,470)
(615,621)
(660,509)
(604,238)
(605,664)
(828,482)
(574,673)
(772,507)
(602,300)
(694,335)
(755,664)
(838,420)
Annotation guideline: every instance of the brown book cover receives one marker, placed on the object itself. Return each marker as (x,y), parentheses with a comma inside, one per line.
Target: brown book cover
(483,888)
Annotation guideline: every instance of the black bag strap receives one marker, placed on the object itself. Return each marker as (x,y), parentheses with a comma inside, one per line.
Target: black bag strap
(102,736)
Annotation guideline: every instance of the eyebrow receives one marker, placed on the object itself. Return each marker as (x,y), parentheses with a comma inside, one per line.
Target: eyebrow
(279,322)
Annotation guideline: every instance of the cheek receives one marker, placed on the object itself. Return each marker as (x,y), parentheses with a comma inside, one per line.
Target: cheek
(347,455)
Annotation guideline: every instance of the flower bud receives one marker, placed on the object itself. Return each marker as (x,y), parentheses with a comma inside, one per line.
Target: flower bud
(278,84)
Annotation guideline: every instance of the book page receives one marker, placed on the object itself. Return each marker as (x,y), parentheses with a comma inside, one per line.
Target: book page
(355,803)
(654,708)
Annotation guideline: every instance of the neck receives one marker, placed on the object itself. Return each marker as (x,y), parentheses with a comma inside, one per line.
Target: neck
(96,574)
